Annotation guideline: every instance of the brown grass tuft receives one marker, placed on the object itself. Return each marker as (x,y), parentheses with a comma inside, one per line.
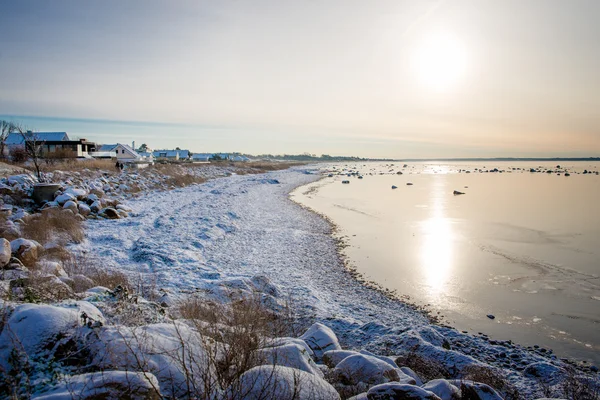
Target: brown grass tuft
(83,264)
(54,225)
(492,377)
(426,368)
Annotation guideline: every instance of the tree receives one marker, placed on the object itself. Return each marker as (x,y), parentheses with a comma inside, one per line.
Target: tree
(5,129)
(34,147)
(144,147)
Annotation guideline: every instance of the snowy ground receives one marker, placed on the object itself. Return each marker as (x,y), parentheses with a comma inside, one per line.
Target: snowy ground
(246,225)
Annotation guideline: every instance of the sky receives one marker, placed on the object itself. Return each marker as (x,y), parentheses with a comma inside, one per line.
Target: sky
(377,78)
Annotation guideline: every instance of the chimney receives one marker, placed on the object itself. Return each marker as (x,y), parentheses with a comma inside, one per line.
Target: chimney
(133,145)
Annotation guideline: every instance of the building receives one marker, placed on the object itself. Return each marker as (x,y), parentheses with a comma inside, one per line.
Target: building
(201,157)
(55,144)
(172,155)
(123,153)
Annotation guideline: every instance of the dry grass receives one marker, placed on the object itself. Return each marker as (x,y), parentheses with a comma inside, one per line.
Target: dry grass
(39,287)
(492,377)
(269,165)
(82,264)
(426,368)
(72,164)
(578,387)
(54,225)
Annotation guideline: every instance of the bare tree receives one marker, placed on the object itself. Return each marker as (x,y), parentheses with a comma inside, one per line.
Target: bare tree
(34,147)
(6,128)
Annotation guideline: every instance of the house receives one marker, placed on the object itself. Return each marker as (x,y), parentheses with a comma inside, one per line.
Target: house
(240,158)
(201,157)
(123,153)
(171,154)
(55,144)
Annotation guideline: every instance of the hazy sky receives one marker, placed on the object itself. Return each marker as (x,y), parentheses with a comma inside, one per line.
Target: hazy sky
(370,78)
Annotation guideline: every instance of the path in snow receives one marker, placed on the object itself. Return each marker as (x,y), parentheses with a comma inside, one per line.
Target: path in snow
(242,226)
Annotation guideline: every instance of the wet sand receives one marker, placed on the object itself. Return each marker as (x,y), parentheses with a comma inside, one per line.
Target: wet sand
(523,247)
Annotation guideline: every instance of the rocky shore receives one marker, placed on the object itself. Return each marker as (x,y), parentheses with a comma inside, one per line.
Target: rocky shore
(225,289)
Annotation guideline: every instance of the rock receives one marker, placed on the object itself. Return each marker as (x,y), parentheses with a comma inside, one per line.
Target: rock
(545,372)
(332,358)
(276,382)
(394,187)
(413,375)
(393,391)
(320,339)
(22,180)
(290,355)
(443,389)
(84,209)
(71,205)
(79,194)
(27,251)
(124,208)
(97,192)
(96,206)
(476,391)
(346,182)
(105,385)
(52,267)
(409,184)
(109,213)
(82,283)
(5,252)
(456,193)
(362,396)
(490,316)
(63,198)
(367,369)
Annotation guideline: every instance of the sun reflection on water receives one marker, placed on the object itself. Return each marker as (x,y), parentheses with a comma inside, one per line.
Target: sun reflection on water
(437,247)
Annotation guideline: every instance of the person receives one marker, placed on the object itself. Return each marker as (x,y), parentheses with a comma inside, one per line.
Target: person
(121,166)
(118,166)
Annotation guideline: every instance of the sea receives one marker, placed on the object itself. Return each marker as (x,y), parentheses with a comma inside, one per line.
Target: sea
(509,249)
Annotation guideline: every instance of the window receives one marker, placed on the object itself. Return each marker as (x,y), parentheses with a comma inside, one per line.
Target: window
(122,151)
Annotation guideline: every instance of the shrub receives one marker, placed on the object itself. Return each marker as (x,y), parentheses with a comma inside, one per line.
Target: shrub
(18,155)
(492,377)
(426,368)
(54,225)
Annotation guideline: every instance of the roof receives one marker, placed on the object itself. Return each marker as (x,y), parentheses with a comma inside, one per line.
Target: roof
(202,155)
(16,138)
(107,147)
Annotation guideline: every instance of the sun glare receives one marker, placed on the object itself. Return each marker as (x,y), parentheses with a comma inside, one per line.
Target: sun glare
(440,61)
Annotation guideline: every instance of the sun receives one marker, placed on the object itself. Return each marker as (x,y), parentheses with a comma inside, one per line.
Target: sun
(440,61)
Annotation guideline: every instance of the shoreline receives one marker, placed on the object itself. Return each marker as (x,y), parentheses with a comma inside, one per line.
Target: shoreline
(425,309)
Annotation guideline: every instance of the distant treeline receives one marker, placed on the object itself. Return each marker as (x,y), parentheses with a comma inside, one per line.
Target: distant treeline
(312,157)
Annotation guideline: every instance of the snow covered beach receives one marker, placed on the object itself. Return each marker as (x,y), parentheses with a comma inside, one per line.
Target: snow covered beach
(243,234)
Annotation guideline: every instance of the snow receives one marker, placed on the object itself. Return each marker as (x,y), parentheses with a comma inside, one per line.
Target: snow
(443,389)
(268,381)
(359,368)
(395,390)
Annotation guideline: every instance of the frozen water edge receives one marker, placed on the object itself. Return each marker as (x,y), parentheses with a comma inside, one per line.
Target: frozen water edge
(241,226)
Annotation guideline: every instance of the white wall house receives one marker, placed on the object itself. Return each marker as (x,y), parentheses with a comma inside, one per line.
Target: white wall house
(125,154)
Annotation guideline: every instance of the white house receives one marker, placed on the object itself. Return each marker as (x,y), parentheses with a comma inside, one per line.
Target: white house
(171,154)
(201,157)
(125,154)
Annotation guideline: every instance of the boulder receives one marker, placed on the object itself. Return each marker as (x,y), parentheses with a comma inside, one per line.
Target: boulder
(63,198)
(443,389)
(475,390)
(456,193)
(413,375)
(332,358)
(124,208)
(52,267)
(27,251)
(77,193)
(290,355)
(84,209)
(394,390)
(367,369)
(545,372)
(320,339)
(5,252)
(81,283)
(96,206)
(277,382)
(109,213)
(71,205)
(105,385)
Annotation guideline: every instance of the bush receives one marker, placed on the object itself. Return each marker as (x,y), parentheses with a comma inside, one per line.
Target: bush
(54,225)
(492,377)
(427,369)
(18,155)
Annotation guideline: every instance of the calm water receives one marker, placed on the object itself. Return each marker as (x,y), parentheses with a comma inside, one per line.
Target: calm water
(524,247)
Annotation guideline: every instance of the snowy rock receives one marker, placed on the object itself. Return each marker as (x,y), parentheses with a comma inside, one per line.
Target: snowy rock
(362,396)
(476,390)
(22,180)
(79,194)
(388,360)
(105,385)
(71,205)
(280,341)
(84,209)
(27,251)
(96,206)
(109,213)
(5,252)
(170,351)
(332,358)
(290,355)
(92,198)
(9,229)
(124,208)
(320,339)
(413,375)
(52,267)
(36,330)
(367,369)
(63,198)
(389,391)
(443,389)
(545,372)
(277,382)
